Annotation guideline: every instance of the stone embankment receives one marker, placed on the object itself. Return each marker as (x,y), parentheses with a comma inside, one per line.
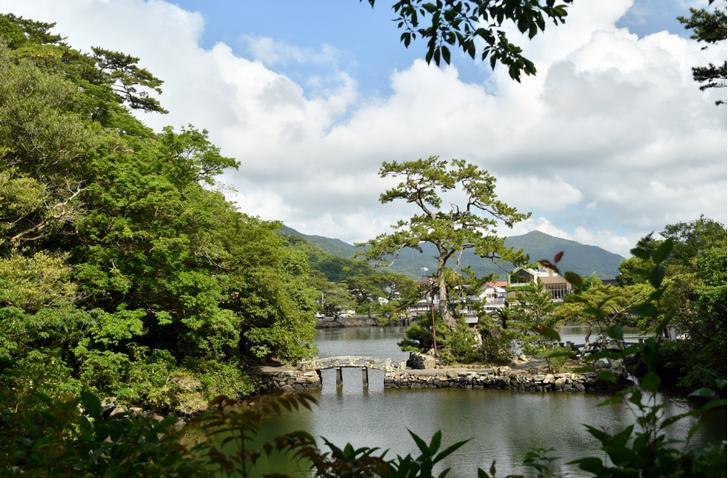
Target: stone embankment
(496,378)
(270,379)
(421,371)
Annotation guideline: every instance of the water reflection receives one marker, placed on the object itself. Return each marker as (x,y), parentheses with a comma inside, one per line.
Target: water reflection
(369,341)
(501,425)
(382,341)
(576,334)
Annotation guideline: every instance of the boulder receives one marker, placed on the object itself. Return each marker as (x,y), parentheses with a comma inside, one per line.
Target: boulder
(420,361)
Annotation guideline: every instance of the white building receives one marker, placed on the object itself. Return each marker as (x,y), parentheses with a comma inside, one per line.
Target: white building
(555,285)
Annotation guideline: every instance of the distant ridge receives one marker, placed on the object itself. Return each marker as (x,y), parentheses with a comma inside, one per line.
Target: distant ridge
(580,258)
(336,247)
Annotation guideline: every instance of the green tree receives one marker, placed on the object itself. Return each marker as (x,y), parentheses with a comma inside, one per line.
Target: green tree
(634,269)
(708,27)
(471,225)
(365,289)
(694,299)
(476,27)
(333,298)
(117,263)
(602,308)
(694,238)
(590,281)
(532,314)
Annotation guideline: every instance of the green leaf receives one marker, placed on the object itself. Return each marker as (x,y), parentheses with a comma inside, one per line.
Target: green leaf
(573,278)
(644,310)
(446,54)
(435,442)
(657,275)
(662,251)
(430,7)
(702,393)
(600,435)
(607,376)
(616,332)
(613,400)
(549,333)
(449,450)
(713,404)
(650,381)
(424,449)
(669,421)
(641,253)
(91,403)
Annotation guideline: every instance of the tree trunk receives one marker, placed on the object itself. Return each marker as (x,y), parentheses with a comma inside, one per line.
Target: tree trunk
(445,312)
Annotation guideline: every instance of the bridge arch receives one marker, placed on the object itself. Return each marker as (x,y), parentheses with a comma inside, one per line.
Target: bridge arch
(350,361)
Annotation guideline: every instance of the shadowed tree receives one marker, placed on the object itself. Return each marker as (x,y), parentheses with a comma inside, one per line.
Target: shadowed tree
(477,27)
(709,28)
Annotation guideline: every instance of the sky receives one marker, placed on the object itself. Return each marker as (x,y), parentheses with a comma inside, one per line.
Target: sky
(609,141)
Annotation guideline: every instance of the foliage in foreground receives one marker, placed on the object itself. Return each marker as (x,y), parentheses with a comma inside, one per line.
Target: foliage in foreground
(76,438)
(708,27)
(693,277)
(479,27)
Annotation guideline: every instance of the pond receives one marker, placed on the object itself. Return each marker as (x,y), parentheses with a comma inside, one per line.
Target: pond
(500,425)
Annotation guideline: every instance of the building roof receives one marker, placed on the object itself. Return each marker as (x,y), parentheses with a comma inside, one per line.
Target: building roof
(553,280)
(501,283)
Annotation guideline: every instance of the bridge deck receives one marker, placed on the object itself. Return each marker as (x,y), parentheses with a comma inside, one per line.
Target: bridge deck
(379,363)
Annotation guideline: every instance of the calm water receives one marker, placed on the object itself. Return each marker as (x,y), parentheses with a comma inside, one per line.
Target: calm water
(501,425)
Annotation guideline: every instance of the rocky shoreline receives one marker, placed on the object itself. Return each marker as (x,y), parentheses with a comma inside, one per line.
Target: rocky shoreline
(271,379)
(286,379)
(500,378)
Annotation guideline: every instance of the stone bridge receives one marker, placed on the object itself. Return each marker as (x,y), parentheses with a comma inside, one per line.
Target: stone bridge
(364,363)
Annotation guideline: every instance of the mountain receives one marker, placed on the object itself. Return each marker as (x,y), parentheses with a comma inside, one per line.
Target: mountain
(336,247)
(580,258)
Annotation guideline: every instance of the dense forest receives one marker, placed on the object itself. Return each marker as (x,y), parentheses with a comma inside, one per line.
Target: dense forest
(351,283)
(122,270)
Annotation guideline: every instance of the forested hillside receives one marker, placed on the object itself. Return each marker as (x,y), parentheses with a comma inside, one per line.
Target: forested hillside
(122,270)
(345,283)
(580,258)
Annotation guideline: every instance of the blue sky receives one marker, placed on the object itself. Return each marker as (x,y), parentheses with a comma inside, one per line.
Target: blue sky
(610,141)
(367,38)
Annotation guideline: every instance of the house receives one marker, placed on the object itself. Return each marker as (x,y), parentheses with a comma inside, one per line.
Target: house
(555,285)
(493,295)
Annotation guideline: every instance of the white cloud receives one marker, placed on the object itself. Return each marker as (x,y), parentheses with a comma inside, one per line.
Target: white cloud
(544,194)
(612,133)
(274,52)
(606,240)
